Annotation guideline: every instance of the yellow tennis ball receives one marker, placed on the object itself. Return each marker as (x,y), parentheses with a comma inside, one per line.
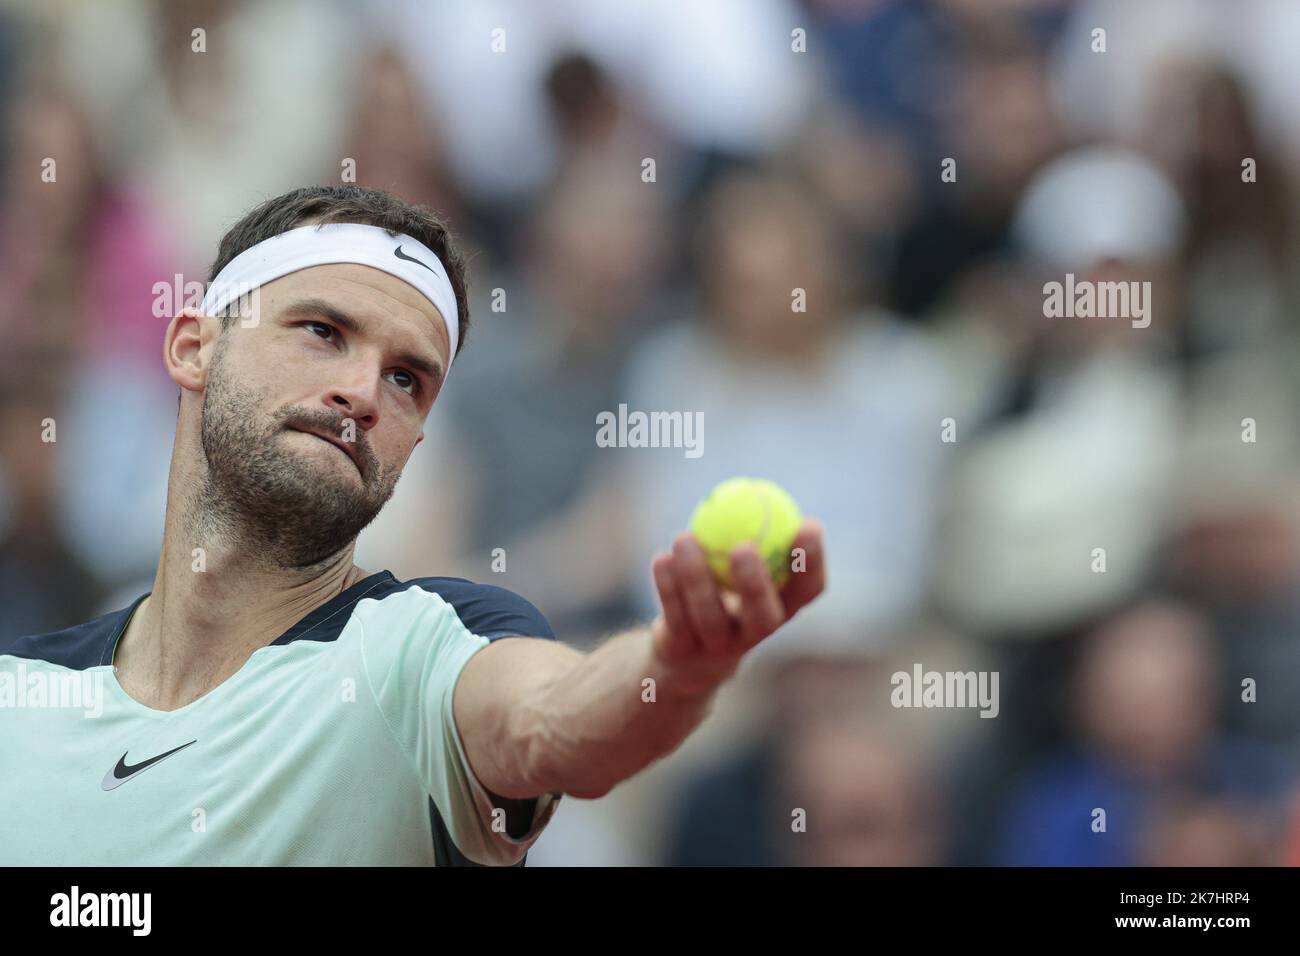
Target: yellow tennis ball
(747,509)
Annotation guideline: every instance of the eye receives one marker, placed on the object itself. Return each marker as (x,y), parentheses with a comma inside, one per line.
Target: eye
(329,329)
(410,386)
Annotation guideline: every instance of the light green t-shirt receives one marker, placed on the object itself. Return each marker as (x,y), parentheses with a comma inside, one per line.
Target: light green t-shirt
(334,745)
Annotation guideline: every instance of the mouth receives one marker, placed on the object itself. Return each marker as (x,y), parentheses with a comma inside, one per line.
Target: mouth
(346,447)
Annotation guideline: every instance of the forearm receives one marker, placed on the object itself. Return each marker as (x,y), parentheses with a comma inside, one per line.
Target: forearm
(611,714)
(538,717)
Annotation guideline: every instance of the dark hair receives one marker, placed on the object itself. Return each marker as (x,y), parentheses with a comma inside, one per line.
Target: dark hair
(357,204)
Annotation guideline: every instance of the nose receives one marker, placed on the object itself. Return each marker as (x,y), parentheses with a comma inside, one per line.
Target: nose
(356,400)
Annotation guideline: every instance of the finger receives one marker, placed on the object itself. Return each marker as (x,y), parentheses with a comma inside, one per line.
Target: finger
(761,610)
(709,619)
(803,586)
(670,598)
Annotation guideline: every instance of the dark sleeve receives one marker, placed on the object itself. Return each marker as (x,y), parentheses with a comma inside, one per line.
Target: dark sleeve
(489,610)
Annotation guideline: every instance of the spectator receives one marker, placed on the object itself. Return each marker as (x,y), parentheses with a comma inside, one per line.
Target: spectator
(1145,722)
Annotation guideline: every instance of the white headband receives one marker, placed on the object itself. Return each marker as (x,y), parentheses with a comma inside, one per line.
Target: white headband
(318,245)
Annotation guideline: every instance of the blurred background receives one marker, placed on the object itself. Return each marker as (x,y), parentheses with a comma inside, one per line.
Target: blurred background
(968,455)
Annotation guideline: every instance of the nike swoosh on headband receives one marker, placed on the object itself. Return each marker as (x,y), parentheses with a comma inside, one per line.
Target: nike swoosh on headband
(124,771)
(401,255)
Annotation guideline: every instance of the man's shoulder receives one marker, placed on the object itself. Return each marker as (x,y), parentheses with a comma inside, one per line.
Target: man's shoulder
(488,610)
(78,647)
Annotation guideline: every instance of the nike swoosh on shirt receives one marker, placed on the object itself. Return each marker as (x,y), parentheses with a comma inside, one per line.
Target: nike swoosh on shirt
(401,255)
(124,772)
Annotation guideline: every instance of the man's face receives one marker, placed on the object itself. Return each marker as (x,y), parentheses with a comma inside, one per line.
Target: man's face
(310,415)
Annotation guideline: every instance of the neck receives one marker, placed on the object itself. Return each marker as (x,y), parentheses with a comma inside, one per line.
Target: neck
(215,600)
(800,354)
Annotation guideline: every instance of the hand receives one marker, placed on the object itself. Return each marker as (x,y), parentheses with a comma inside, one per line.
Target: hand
(705,631)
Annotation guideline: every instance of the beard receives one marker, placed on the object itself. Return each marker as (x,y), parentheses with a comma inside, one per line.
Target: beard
(288,505)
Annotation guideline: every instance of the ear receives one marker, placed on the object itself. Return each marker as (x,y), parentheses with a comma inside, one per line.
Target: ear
(187,348)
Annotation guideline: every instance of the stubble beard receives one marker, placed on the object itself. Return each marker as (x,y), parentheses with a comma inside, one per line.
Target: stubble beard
(285,508)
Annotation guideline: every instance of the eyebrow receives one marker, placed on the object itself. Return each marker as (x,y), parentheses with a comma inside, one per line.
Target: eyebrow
(350,323)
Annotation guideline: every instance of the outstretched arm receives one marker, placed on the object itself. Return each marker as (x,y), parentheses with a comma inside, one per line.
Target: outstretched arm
(538,717)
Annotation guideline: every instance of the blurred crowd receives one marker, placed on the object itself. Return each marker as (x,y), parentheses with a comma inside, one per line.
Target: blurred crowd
(1105,515)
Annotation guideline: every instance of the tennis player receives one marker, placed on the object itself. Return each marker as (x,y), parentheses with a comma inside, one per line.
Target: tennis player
(269,702)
